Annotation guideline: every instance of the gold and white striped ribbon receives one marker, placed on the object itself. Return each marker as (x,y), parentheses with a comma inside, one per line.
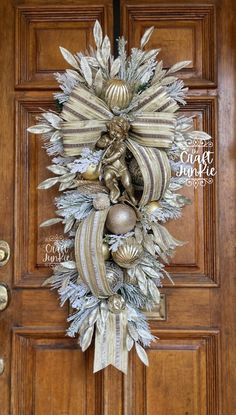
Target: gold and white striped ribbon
(155,168)
(83,105)
(80,134)
(154,129)
(110,345)
(88,253)
(155,99)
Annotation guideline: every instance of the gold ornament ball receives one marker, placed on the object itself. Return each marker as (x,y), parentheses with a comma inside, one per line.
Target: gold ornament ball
(152,206)
(117,94)
(105,251)
(92,173)
(121,219)
(116,303)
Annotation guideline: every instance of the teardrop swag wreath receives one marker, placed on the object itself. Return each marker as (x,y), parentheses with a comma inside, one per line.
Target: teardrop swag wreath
(115,148)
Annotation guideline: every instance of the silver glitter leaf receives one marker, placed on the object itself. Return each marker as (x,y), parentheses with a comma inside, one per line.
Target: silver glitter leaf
(98,82)
(57,169)
(129,342)
(133,332)
(115,67)
(50,222)
(46,184)
(86,339)
(106,48)
(141,354)
(69,57)
(40,129)
(97,33)
(146,36)
(177,66)
(85,68)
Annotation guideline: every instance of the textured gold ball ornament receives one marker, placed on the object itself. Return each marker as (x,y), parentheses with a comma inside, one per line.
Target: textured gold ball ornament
(128,254)
(92,173)
(117,94)
(101,201)
(105,251)
(121,219)
(152,206)
(116,303)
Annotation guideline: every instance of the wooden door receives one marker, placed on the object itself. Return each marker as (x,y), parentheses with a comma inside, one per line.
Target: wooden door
(192,365)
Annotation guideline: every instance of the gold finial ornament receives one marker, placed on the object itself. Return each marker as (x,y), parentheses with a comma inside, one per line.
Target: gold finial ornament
(118,94)
(128,254)
(121,219)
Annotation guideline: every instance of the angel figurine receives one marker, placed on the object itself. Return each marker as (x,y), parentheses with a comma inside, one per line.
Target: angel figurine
(113,161)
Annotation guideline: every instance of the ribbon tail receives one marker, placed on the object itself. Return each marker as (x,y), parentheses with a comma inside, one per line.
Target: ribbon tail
(110,345)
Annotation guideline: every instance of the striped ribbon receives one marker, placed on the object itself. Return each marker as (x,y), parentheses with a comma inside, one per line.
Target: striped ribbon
(155,99)
(88,253)
(83,105)
(154,129)
(155,168)
(86,115)
(80,134)
(110,345)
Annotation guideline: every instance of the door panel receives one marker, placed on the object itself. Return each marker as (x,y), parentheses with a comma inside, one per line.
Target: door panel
(191,365)
(41,29)
(183,31)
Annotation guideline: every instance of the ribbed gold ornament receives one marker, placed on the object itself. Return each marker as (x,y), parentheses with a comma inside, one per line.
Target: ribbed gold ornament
(128,254)
(117,94)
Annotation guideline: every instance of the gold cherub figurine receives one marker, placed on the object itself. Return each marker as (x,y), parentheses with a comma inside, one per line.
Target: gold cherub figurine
(114,165)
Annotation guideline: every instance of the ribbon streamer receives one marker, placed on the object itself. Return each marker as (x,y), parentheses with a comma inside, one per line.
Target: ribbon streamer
(88,253)
(110,345)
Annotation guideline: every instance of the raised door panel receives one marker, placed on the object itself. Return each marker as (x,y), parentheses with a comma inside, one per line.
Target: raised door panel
(181,31)
(183,375)
(195,262)
(50,374)
(40,30)
(34,246)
